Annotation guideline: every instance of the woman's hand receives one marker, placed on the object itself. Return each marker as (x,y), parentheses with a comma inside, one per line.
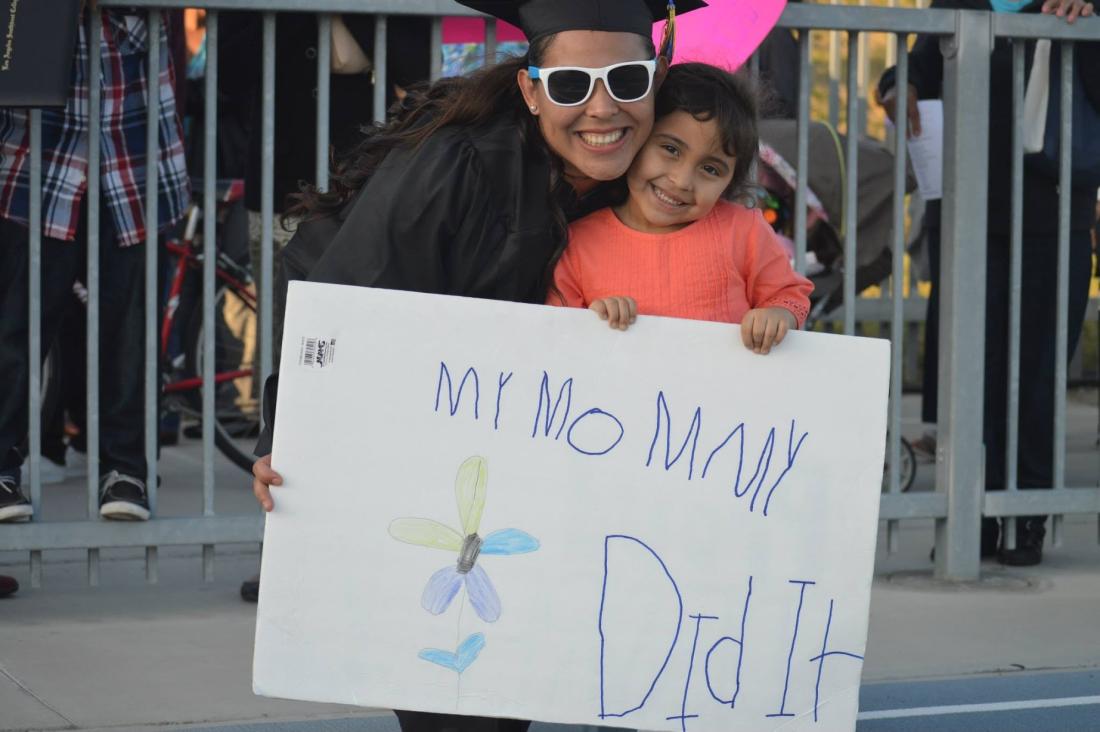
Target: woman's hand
(263,478)
(1071,10)
(619,312)
(889,103)
(765,328)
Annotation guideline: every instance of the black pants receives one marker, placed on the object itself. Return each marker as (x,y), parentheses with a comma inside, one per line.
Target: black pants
(1037,346)
(122,338)
(427,722)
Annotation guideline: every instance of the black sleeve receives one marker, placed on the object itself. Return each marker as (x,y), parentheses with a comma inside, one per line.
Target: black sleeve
(426,221)
(925,69)
(421,222)
(240,46)
(925,59)
(1088,66)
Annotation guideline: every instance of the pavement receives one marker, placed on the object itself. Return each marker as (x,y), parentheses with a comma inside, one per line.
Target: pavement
(1018,650)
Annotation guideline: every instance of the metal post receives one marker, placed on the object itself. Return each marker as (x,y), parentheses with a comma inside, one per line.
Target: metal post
(834,76)
(380,70)
(152,290)
(95,95)
(897,280)
(324,96)
(267,196)
(490,41)
(34,328)
(1061,329)
(210,254)
(959,468)
(802,164)
(436,63)
(1015,287)
(864,75)
(851,193)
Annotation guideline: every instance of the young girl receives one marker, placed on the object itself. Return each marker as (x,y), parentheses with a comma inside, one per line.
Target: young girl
(677,246)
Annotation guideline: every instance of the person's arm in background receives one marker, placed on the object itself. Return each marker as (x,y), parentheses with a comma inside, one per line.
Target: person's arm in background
(925,71)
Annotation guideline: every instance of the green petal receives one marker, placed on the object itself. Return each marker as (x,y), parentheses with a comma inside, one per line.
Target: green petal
(425,532)
(470,492)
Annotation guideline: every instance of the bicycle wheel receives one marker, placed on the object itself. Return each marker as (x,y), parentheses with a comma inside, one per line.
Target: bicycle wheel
(907,471)
(50,387)
(236,395)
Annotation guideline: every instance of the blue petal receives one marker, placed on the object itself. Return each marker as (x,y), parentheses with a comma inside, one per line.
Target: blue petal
(441,590)
(482,595)
(509,541)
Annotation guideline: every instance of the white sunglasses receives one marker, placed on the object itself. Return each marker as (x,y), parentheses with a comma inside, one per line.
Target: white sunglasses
(572,86)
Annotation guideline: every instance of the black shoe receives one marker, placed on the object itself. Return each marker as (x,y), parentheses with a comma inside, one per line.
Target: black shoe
(122,497)
(14,506)
(250,589)
(8,585)
(1030,532)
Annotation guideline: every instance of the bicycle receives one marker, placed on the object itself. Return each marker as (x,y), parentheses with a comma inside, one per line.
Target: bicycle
(236,401)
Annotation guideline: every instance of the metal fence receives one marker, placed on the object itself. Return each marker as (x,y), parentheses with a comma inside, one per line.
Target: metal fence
(959,501)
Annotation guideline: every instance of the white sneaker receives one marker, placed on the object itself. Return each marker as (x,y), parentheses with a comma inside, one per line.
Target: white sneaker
(14,506)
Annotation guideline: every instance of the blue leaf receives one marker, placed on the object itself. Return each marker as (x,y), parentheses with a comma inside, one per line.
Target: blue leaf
(467,653)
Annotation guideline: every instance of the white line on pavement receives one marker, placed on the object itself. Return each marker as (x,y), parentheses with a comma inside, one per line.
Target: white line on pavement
(1073,701)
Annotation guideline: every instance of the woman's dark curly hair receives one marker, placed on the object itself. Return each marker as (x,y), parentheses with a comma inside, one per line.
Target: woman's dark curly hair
(707,92)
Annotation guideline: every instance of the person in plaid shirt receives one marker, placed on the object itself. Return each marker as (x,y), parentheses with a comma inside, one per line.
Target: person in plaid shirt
(125,86)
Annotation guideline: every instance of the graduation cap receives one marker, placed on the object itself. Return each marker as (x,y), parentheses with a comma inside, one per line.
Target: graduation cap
(543,17)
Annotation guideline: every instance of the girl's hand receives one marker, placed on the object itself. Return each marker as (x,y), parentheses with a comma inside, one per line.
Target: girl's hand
(263,478)
(619,312)
(1068,9)
(764,328)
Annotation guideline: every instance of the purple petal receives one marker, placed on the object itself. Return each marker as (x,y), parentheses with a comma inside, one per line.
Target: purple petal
(441,590)
(482,595)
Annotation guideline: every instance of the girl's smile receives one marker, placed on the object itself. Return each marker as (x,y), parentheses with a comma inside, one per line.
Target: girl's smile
(679,175)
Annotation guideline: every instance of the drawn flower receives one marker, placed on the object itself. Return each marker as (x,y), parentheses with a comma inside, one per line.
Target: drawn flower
(445,584)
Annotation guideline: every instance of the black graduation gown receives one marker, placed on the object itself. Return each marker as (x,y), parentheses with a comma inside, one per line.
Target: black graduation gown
(469,212)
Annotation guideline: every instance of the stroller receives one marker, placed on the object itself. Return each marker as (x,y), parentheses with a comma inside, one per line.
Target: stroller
(777,178)
(825,265)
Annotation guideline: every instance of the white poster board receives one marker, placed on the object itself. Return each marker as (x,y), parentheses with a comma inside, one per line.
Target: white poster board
(512,510)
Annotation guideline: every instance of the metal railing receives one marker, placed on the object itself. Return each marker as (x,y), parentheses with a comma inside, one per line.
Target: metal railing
(959,500)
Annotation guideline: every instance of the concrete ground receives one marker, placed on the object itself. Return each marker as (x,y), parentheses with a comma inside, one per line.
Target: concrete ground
(127,656)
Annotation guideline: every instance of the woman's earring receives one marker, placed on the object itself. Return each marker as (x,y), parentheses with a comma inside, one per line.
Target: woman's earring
(534,109)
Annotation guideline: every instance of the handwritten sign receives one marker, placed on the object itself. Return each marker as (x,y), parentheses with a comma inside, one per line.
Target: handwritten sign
(512,510)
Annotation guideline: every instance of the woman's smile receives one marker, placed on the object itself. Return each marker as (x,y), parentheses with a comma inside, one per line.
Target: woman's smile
(604,140)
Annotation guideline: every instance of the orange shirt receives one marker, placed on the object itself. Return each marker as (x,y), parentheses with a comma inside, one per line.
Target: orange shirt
(717,268)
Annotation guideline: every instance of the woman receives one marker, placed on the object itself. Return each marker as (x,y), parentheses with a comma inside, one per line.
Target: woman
(470,190)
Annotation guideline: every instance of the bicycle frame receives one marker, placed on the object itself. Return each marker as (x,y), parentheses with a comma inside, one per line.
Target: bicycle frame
(226,271)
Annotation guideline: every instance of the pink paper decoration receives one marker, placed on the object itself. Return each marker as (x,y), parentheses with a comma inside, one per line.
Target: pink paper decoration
(725,33)
(472,30)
